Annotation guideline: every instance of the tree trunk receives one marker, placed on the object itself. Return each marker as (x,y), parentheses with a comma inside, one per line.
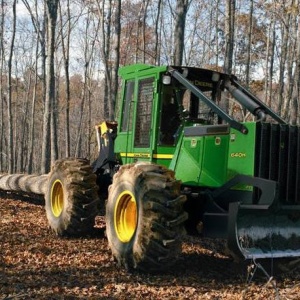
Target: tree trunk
(32,118)
(2,58)
(157,33)
(110,17)
(229,42)
(51,91)
(88,54)
(9,100)
(49,150)
(282,65)
(271,68)
(296,90)
(217,33)
(105,15)
(40,41)
(65,42)
(229,35)
(248,55)
(179,30)
(23,129)
(116,58)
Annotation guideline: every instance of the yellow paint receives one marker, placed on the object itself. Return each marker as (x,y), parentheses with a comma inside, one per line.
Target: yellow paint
(125,216)
(57,198)
(147,155)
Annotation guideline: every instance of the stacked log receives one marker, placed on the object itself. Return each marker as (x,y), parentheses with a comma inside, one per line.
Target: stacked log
(36,184)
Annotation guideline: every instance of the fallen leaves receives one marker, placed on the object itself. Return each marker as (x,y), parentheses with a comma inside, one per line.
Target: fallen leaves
(35,264)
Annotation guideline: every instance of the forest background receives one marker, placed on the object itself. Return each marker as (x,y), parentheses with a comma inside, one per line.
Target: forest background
(59,61)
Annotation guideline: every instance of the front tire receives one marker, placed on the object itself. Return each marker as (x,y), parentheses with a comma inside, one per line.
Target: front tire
(71,198)
(144,217)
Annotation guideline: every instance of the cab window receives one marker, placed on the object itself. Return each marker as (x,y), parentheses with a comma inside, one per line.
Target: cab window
(144,113)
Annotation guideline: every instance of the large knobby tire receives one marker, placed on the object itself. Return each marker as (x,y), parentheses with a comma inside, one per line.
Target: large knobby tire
(71,197)
(144,217)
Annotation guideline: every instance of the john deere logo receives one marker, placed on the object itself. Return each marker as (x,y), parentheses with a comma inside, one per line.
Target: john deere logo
(193,143)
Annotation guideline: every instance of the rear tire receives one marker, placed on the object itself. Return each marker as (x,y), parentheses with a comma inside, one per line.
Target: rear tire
(144,217)
(71,198)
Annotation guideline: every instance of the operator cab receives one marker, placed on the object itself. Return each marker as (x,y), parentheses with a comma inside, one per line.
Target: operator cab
(180,106)
(153,111)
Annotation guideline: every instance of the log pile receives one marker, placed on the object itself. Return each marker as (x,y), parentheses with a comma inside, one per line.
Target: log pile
(36,184)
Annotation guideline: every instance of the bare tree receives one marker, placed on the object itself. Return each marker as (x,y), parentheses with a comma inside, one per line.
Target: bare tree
(9,98)
(248,55)
(89,52)
(157,32)
(229,35)
(115,56)
(292,67)
(2,83)
(65,42)
(269,62)
(295,118)
(38,82)
(283,60)
(32,115)
(49,150)
(229,42)
(109,14)
(179,29)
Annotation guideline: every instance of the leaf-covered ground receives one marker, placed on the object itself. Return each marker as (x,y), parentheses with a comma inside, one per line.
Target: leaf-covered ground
(35,264)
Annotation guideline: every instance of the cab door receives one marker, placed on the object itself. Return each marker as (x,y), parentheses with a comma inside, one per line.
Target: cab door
(135,140)
(144,122)
(144,118)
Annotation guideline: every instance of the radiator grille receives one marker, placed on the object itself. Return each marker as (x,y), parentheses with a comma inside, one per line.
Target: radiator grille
(277,157)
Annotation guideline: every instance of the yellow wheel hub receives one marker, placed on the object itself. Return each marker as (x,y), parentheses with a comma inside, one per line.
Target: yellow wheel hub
(57,198)
(125,216)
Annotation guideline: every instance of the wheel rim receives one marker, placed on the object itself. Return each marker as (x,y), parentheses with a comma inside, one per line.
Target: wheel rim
(125,216)
(57,198)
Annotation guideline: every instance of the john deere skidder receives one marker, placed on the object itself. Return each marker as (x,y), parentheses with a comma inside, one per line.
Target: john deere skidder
(181,162)
(175,162)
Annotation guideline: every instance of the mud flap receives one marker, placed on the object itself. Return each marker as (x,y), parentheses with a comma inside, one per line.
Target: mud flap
(254,233)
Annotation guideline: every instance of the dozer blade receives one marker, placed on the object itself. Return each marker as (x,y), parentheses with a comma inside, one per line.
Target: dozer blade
(264,233)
